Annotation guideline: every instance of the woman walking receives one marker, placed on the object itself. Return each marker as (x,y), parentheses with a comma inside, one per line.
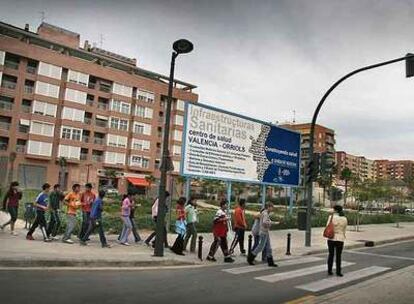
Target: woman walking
(125,213)
(264,239)
(336,244)
(11,205)
(180,228)
(192,219)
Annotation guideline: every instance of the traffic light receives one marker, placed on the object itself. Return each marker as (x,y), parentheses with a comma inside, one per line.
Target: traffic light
(327,164)
(409,66)
(312,169)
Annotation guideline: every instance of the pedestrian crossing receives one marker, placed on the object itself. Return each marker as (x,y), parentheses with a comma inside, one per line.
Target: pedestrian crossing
(281,274)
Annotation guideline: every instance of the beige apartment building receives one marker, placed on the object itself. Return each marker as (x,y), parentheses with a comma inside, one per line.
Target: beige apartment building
(96,109)
(365,169)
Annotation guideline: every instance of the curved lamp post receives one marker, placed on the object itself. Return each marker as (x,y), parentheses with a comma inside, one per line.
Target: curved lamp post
(409,65)
(181,46)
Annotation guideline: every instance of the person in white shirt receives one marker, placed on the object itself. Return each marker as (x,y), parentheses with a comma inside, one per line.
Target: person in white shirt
(154,213)
(336,244)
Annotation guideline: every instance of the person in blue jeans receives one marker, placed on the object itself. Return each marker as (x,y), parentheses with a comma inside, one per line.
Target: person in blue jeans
(96,221)
(41,205)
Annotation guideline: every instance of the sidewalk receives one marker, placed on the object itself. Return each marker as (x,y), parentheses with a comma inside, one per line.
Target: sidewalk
(18,252)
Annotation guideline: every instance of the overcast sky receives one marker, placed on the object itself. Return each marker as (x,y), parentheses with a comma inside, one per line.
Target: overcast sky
(266,59)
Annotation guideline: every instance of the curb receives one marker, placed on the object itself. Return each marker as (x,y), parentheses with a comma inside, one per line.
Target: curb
(12,263)
(362,245)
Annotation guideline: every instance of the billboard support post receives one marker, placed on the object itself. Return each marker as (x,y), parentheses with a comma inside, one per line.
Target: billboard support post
(290,200)
(188,187)
(263,196)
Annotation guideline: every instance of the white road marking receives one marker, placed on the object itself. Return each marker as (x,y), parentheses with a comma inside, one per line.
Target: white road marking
(261,267)
(281,276)
(348,277)
(381,255)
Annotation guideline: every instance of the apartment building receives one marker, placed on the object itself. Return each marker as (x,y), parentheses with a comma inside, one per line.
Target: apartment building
(365,169)
(95,108)
(395,169)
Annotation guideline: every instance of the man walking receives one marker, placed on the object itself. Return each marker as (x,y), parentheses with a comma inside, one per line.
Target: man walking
(55,198)
(154,213)
(220,229)
(72,201)
(240,226)
(87,199)
(96,221)
(41,204)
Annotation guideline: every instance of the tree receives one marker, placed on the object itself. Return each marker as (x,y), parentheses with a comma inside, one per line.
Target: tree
(324,181)
(150,179)
(181,181)
(238,189)
(346,175)
(110,174)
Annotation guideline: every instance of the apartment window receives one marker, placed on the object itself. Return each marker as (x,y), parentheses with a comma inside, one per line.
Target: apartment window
(78,77)
(75,96)
(71,133)
(143,112)
(176,165)
(117,141)
(116,105)
(115,158)
(145,163)
(179,120)
(119,106)
(145,96)
(49,70)
(2,56)
(24,126)
(139,161)
(39,148)
(121,89)
(69,152)
(41,128)
(9,82)
(119,124)
(139,144)
(73,114)
(176,150)
(47,89)
(142,128)
(44,108)
(178,135)
(180,105)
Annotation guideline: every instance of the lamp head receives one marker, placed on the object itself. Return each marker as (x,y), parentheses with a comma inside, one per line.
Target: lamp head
(183,46)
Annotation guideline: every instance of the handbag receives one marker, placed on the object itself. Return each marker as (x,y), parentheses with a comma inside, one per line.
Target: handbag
(329,229)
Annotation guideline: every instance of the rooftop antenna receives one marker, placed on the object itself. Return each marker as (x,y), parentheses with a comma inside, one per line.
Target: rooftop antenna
(294,117)
(42,16)
(101,40)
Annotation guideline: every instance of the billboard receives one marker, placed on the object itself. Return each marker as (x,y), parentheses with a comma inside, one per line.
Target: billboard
(222,145)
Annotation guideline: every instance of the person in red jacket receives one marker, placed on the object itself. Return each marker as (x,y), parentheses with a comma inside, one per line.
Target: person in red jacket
(240,226)
(220,234)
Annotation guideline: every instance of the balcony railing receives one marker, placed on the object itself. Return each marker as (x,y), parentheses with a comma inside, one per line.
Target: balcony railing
(31,69)
(11,64)
(87,120)
(85,138)
(104,88)
(102,106)
(97,158)
(20,148)
(5,125)
(4,146)
(26,109)
(24,129)
(103,124)
(8,84)
(91,85)
(28,89)
(89,102)
(98,141)
(83,156)
(6,105)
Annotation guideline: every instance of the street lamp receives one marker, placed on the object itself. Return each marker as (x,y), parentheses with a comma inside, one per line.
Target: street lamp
(181,46)
(409,60)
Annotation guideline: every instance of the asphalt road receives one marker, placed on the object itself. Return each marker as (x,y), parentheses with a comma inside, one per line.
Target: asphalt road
(290,281)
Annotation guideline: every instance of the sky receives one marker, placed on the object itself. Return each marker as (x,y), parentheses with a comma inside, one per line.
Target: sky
(271,60)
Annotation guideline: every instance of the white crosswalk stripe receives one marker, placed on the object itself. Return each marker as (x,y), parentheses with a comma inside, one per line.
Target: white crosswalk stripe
(281,276)
(261,267)
(348,277)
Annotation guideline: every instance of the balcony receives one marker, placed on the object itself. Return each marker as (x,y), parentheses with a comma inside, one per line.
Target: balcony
(87,120)
(4,146)
(102,106)
(97,158)
(5,125)
(98,141)
(8,84)
(28,89)
(6,105)
(104,88)
(101,123)
(11,64)
(85,138)
(91,85)
(26,108)
(20,148)
(84,156)
(23,129)
(89,102)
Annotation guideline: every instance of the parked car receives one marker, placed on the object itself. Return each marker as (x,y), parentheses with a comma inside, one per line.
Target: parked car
(110,190)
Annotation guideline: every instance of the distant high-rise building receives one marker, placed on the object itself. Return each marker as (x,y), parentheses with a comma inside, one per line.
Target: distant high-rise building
(95,108)
(363,168)
(395,169)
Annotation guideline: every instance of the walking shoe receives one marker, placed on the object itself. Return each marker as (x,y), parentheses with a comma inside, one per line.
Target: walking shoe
(29,238)
(339,275)
(228,260)
(126,244)
(250,258)
(270,262)
(55,238)
(211,259)
(147,243)
(68,241)
(82,243)
(47,240)
(243,254)
(14,233)
(330,273)
(1,227)
(106,246)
